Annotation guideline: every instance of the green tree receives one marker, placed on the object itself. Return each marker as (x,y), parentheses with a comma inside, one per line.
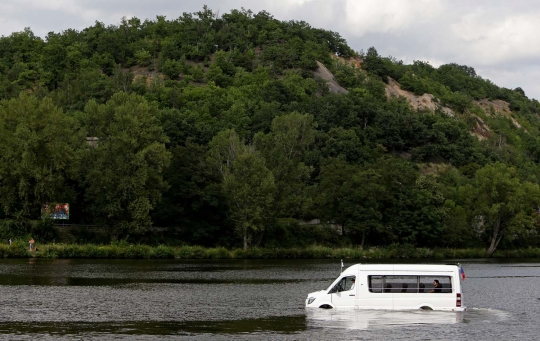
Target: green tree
(500,204)
(363,197)
(39,147)
(143,57)
(332,190)
(171,68)
(291,135)
(249,188)
(194,201)
(124,173)
(247,184)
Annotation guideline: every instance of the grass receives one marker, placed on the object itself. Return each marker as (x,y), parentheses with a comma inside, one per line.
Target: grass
(130,251)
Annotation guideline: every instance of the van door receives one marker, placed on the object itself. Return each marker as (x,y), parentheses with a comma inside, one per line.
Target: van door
(343,294)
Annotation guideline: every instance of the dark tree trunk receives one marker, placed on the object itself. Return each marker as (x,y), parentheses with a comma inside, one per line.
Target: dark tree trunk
(258,239)
(495,238)
(245,238)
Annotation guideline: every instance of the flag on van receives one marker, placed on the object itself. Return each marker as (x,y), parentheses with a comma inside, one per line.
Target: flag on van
(462,273)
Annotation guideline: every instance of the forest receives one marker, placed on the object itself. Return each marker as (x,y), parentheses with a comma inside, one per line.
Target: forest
(215,130)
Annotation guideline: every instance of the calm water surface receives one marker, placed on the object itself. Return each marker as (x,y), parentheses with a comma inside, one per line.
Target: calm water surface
(244,299)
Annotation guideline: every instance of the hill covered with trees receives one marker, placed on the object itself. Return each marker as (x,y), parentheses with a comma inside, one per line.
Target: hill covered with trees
(219,130)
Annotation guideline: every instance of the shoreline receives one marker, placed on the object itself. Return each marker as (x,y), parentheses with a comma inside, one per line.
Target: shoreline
(129,251)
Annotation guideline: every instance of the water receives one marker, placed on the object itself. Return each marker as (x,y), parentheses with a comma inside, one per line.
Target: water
(244,299)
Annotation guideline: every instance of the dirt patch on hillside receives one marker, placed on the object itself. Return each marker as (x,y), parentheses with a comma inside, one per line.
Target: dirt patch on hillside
(142,71)
(433,168)
(354,61)
(497,107)
(327,76)
(426,101)
(481,130)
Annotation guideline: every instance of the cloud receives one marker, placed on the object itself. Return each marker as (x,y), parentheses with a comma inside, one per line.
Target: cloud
(505,38)
(393,16)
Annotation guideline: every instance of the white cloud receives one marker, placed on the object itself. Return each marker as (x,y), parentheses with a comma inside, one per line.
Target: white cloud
(495,40)
(388,16)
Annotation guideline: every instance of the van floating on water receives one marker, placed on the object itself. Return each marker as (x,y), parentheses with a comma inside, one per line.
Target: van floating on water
(393,287)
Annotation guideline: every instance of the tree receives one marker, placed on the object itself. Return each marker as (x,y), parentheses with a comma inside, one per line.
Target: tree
(247,184)
(39,145)
(124,173)
(249,188)
(362,202)
(353,197)
(291,135)
(194,201)
(501,205)
(171,68)
(143,57)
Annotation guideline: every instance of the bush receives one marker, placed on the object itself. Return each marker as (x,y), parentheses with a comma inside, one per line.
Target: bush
(163,252)
(18,249)
(143,57)
(44,231)
(171,68)
(11,229)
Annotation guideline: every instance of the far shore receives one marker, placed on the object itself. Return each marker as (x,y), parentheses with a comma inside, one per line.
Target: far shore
(139,251)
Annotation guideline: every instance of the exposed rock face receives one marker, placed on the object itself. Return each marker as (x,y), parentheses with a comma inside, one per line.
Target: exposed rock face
(497,107)
(426,101)
(325,74)
(481,131)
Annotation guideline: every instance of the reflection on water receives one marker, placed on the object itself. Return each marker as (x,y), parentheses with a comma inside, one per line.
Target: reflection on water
(367,319)
(272,324)
(85,281)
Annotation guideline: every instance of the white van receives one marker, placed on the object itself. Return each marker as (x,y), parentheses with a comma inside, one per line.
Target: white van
(394,287)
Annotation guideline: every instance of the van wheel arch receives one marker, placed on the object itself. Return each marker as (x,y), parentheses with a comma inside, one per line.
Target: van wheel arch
(326,306)
(426,307)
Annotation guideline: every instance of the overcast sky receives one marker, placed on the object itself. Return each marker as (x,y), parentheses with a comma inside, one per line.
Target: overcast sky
(496,37)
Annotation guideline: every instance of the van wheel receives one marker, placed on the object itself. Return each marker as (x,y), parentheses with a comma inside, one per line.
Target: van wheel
(426,308)
(326,306)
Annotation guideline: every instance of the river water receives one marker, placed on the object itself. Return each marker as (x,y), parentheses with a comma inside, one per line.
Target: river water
(245,300)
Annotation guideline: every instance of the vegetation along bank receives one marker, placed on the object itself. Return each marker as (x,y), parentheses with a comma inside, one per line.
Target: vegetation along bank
(139,251)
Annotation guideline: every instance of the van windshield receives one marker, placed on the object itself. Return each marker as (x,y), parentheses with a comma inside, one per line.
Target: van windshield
(345,284)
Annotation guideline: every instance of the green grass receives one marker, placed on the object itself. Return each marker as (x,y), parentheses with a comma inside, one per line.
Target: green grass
(138,251)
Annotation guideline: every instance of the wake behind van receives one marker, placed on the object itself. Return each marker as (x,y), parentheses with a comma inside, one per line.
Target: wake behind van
(393,287)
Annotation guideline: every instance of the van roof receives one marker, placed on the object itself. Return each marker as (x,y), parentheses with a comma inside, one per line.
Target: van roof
(401,267)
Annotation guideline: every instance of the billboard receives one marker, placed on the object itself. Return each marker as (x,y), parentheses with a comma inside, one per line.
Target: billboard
(55,211)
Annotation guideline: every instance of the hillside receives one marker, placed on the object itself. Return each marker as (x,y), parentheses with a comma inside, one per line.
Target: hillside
(229,130)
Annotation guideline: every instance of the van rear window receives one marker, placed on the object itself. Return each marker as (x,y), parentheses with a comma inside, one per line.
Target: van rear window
(409,284)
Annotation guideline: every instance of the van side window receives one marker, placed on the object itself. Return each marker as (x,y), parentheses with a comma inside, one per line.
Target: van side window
(345,284)
(408,284)
(403,284)
(445,282)
(375,283)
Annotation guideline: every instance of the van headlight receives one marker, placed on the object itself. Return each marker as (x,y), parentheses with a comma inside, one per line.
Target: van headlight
(310,300)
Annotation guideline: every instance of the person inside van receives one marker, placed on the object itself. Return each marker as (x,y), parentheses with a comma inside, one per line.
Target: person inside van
(404,287)
(422,287)
(353,282)
(437,287)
